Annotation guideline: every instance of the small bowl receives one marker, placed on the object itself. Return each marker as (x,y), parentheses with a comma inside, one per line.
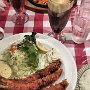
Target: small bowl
(80,73)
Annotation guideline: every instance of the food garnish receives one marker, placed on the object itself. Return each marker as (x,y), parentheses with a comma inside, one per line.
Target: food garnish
(29,47)
(5,70)
(13,48)
(32,50)
(41,47)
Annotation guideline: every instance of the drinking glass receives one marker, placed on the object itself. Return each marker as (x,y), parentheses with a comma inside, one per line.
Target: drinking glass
(58,12)
(20,17)
(81,22)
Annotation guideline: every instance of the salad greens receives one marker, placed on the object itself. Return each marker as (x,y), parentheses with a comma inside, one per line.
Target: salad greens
(29,47)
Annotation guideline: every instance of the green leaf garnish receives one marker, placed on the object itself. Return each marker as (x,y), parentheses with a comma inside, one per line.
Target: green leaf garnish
(28,46)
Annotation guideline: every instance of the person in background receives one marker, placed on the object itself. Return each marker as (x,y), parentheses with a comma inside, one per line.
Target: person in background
(2,5)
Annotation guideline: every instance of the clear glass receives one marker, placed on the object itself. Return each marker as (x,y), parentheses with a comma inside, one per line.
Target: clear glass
(58,12)
(20,17)
(81,22)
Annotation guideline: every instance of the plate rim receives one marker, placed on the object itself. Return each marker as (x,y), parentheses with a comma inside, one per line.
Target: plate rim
(67,51)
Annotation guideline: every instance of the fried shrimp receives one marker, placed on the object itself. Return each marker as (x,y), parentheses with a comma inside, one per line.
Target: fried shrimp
(34,85)
(60,86)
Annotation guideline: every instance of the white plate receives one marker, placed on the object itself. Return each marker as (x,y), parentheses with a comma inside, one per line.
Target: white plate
(80,73)
(69,65)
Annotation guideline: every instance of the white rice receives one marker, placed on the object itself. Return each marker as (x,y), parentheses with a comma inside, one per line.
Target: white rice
(84,81)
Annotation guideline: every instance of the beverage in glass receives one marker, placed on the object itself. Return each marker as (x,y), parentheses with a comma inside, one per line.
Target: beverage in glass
(20,17)
(59,11)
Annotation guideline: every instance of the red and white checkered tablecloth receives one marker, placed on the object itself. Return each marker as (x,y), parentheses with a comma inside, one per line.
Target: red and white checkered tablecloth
(40,23)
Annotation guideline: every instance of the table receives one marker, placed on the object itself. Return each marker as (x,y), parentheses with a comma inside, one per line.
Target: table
(38,22)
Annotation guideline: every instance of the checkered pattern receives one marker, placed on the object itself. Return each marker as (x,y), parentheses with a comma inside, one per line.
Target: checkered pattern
(39,23)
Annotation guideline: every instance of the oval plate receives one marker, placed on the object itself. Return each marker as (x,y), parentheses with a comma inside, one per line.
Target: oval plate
(68,62)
